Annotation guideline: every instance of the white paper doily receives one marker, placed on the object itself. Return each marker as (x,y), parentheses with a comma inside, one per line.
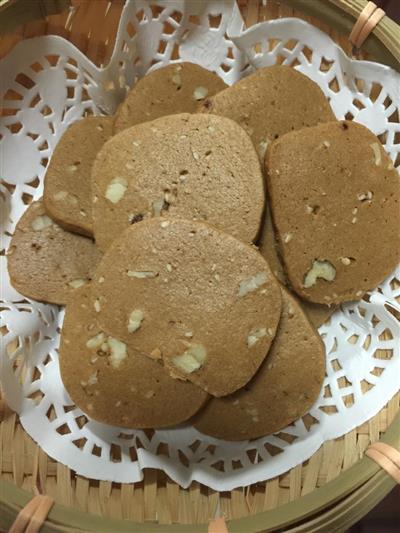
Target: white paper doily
(47,85)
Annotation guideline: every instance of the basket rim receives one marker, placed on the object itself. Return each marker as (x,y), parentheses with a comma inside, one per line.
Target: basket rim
(363,474)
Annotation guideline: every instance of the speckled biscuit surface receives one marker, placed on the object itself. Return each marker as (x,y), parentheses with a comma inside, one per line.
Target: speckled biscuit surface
(335,203)
(271,102)
(115,384)
(285,387)
(318,314)
(187,166)
(67,186)
(46,262)
(177,88)
(199,299)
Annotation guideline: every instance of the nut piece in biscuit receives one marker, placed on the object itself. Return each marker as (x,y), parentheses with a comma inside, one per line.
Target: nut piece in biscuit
(116,189)
(135,320)
(320,269)
(252,284)
(255,336)
(41,222)
(192,359)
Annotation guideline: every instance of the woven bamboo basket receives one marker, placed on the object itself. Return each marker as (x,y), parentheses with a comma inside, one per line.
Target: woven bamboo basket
(330,491)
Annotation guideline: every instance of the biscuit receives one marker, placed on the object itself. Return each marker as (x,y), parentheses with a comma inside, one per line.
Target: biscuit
(67,186)
(335,203)
(284,389)
(202,301)
(177,88)
(113,383)
(46,262)
(317,314)
(271,102)
(199,167)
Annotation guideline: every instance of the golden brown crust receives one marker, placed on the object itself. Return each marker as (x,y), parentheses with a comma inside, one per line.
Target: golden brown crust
(335,203)
(318,314)
(199,167)
(177,88)
(194,292)
(46,262)
(270,102)
(67,192)
(284,388)
(130,391)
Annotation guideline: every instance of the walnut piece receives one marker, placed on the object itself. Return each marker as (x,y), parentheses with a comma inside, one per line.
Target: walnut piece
(142,274)
(252,284)
(41,222)
(96,341)
(377,153)
(192,359)
(255,336)
(320,269)
(116,189)
(135,320)
(76,283)
(60,195)
(117,351)
(200,93)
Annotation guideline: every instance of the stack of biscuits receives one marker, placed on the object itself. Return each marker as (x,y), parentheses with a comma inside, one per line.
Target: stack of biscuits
(197,239)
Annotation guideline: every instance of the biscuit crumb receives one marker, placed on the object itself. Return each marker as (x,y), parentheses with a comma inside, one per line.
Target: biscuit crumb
(101,279)
(191,360)
(326,144)
(354,220)
(97,306)
(320,269)
(262,147)
(116,189)
(169,267)
(287,237)
(165,223)
(252,284)
(189,334)
(345,260)
(41,222)
(200,93)
(155,354)
(72,168)
(135,320)
(255,336)
(76,283)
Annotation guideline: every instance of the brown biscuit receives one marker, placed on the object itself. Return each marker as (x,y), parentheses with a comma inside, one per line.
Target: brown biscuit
(67,186)
(271,102)
(318,314)
(183,291)
(335,202)
(177,88)
(46,262)
(115,384)
(285,387)
(185,166)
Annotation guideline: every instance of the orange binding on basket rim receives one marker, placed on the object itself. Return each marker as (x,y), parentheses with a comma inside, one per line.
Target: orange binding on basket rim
(31,518)
(369,17)
(386,457)
(218,525)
